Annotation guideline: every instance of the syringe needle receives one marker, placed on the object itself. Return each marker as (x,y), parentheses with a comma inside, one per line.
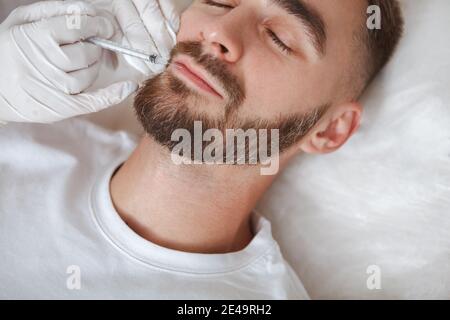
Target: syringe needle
(112,46)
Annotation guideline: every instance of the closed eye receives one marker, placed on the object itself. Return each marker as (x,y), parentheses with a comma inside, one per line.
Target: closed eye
(284,48)
(278,42)
(217,4)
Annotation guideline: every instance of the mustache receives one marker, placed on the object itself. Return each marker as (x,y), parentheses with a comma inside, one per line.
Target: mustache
(216,68)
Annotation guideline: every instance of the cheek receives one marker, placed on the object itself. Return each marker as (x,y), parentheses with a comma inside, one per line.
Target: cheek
(273,90)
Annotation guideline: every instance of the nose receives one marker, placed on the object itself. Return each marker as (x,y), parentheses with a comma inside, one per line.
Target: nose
(222,39)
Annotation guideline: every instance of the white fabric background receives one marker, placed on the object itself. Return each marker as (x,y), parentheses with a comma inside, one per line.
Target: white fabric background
(383,199)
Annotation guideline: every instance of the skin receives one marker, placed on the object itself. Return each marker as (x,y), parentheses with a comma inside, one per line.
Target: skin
(207,209)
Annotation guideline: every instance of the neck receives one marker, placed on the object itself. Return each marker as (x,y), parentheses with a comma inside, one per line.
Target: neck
(193,208)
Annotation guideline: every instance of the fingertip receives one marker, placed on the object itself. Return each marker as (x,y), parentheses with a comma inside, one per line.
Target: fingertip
(129,87)
(172,31)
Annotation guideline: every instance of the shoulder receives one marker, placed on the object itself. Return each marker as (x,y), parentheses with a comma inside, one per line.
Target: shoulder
(275,272)
(75,136)
(73,148)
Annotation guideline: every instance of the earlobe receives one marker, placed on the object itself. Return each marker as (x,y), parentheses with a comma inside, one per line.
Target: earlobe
(334,130)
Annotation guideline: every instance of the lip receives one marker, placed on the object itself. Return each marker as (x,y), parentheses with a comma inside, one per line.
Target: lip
(196,77)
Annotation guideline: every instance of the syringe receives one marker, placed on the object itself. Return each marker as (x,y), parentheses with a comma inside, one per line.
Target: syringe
(113,46)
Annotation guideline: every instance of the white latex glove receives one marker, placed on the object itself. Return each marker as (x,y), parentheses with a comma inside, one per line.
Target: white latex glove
(150,26)
(46,70)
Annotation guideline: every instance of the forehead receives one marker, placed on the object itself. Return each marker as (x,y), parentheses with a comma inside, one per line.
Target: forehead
(342,18)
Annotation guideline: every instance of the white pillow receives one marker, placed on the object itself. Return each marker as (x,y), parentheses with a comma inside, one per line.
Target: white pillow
(383,199)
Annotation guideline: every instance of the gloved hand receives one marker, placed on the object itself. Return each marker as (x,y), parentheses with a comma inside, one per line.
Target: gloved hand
(150,26)
(46,70)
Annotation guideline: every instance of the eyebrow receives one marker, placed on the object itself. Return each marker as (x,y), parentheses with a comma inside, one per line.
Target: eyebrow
(309,17)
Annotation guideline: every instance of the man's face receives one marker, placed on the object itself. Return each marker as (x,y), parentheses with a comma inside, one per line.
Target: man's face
(257,63)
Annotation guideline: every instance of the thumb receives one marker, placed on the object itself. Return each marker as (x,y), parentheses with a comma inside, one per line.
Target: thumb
(106,97)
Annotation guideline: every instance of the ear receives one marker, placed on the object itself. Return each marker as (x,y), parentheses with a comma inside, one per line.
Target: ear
(334,129)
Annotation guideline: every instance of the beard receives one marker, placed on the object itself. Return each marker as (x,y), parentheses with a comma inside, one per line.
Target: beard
(165,104)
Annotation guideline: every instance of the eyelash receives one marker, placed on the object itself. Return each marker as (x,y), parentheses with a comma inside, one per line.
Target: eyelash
(217,4)
(284,48)
(278,42)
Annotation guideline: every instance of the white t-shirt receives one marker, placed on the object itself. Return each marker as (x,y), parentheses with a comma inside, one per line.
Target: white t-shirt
(61,238)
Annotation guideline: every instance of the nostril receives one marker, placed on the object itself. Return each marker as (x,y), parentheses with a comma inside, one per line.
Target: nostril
(223,49)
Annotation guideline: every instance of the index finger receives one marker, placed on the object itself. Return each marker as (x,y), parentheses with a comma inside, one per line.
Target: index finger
(132,27)
(156,25)
(172,13)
